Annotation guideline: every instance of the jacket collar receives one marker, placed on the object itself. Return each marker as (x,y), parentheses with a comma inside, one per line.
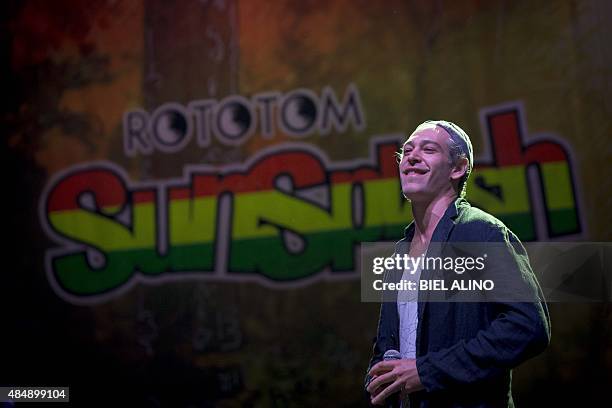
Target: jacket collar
(445,225)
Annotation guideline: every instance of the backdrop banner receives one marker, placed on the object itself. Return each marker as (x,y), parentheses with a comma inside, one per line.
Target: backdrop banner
(191,182)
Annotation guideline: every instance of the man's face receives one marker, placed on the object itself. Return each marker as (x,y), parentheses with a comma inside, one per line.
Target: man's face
(425,171)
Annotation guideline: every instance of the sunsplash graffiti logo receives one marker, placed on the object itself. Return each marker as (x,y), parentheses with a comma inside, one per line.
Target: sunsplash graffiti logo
(530,186)
(288,216)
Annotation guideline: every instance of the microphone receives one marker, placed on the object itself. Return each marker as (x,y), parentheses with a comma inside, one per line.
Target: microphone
(392,400)
(392,355)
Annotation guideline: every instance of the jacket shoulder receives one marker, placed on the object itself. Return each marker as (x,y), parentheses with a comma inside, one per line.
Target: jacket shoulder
(474,224)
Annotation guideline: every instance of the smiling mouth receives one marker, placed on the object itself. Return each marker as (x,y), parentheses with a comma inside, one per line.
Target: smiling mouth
(415,172)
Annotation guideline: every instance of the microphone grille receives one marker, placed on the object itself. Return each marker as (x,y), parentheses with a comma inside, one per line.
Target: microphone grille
(392,355)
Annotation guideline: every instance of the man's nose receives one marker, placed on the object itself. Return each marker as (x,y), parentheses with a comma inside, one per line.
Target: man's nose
(412,157)
(409,160)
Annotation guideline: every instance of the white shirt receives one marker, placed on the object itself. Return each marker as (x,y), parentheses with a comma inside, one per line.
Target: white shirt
(407,309)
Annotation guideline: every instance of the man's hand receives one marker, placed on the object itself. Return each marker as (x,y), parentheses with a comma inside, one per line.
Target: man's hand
(401,374)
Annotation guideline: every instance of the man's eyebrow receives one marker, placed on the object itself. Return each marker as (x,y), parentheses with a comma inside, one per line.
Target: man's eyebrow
(422,142)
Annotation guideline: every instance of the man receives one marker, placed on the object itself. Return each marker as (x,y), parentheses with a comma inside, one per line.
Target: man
(461,354)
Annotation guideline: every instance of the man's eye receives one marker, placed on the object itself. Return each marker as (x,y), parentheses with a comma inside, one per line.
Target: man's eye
(430,149)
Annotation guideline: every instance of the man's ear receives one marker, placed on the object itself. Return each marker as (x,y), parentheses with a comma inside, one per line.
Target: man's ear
(459,169)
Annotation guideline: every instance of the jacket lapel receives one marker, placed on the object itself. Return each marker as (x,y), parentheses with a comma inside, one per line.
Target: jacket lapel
(447,222)
(439,238)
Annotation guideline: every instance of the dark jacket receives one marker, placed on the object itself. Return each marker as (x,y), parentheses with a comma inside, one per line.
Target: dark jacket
(465,351)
